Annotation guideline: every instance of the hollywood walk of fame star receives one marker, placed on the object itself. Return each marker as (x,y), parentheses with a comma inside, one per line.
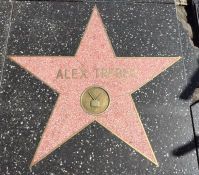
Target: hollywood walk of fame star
(94,53)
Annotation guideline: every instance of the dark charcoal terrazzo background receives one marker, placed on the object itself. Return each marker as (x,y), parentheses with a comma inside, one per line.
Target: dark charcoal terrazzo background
(5,18)
(5,14)
(61,29)
(135,29)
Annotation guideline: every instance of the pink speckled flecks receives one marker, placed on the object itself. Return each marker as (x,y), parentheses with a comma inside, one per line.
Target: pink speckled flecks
(68,118)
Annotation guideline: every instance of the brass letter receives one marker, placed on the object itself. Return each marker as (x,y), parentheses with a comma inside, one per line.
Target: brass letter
(66,72)
(59,74)
(97,75)
(74,73)
(83,74)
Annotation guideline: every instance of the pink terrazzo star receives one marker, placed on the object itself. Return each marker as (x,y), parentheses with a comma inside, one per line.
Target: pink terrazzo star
(95,63)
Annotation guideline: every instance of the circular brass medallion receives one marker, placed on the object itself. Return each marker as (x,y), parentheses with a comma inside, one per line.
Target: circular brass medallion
(95,100)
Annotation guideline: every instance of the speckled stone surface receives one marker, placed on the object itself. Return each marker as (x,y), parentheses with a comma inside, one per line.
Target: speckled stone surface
(134,1)
(5,13)
(49,28)
(125,23)
(190,91)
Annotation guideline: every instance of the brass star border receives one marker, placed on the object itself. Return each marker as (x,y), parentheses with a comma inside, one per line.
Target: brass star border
(94,52)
